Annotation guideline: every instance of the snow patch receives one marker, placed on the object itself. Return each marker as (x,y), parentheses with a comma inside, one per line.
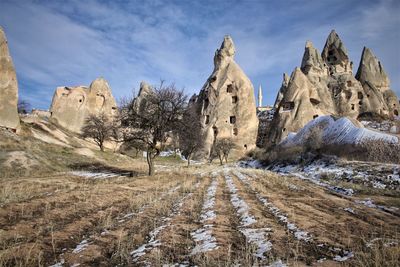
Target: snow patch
(203,237)
(81,246)
(298,234)
(256,236)
(339,132)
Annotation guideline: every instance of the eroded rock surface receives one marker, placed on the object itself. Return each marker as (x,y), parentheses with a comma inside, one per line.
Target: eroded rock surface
(226,104)
(8,87)
(325,85)
(71,105)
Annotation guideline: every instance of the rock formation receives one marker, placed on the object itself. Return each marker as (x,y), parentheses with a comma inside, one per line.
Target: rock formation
(71,105)
(226,104)
(8,87)
(145,90)
(325,85)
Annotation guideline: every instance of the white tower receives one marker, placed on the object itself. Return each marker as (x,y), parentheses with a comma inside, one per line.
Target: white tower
(259,96)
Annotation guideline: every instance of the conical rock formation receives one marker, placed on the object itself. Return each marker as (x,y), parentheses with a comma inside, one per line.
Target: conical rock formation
(8,87)
(71,105)
(226,104)
(325,85)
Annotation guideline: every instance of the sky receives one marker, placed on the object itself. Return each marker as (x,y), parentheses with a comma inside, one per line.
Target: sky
(69,43)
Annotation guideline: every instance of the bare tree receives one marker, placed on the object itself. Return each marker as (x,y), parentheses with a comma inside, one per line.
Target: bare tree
(221,149)
(190,134)
(24,107)
(150,121)
(100,128)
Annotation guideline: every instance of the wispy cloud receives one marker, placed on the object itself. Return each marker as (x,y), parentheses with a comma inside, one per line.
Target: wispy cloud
(73,42)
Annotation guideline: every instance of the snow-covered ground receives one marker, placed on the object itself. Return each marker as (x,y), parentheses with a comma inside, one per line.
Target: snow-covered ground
(153,241)
(338,132)
(323,172)
(280,216)
(203,237)
(256,236)
(98,175)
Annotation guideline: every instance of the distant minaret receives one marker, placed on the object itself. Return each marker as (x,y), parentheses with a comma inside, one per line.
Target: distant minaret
(259,96)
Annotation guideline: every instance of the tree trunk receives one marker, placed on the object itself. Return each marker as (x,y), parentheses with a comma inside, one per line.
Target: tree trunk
(188,160)
(221,160)
(101,147)
(150,162)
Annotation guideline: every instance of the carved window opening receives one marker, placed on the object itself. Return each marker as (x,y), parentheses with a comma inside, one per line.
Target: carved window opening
(114,108)
(215,129)
(367,95)
(245,146)
(235,131)
(207,119)
(330,52)
(234,99)
(396,112)
(315,116)
(360,103)
(288,106)
(232,119)
(360,95)
(229,88)
(284,129)
(352,106)
(80,100)
(314,101)
(213,79)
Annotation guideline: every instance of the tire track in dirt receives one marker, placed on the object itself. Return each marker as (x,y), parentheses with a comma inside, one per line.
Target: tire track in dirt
(336,251)
(266,240)
(114,245)
(160,247)
(70,225)
(328,211)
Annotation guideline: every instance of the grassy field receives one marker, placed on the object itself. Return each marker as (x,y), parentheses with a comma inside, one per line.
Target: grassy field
(208,216)
(65,206)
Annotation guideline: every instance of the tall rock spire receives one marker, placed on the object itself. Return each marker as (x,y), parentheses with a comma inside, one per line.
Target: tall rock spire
(335,55)
(226,105)
(8,87)
(260,97)
(371,70)
(312,60)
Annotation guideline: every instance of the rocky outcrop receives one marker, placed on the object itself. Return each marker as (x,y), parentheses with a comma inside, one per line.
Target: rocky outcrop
(376,83)
(71,105)
(8,87)
(226,104)
(144,91)
(325,85)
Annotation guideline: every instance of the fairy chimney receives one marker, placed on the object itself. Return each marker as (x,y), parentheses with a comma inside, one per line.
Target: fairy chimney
(226,104)
(71,105)
(8,87)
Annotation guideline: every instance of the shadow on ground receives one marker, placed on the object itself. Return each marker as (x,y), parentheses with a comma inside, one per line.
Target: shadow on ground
(99,167)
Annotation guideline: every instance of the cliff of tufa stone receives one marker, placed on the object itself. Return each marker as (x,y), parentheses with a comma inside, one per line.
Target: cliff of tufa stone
(71,105)
(8,87)
(226,104)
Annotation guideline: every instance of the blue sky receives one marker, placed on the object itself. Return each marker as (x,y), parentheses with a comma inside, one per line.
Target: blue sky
(57,43)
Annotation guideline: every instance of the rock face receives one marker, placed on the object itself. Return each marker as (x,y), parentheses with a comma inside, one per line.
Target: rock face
(145,90)
(226,104)
(325,85)
(71,105)
(8,87)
